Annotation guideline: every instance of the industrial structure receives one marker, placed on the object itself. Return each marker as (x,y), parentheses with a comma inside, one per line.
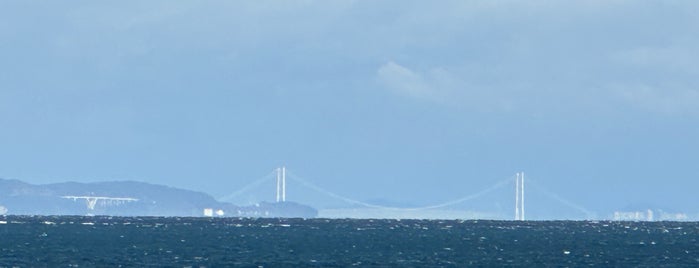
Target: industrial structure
(91,201)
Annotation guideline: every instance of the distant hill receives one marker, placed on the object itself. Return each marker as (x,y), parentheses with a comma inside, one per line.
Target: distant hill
(22,198)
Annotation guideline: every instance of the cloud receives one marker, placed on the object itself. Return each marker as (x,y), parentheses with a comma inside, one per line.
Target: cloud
(456,88)
(675,58)
(404,81)
(658,78)
(435,84)
(667,99)
(477,54)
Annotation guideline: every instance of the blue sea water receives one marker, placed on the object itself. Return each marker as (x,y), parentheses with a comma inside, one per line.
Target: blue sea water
(72,241)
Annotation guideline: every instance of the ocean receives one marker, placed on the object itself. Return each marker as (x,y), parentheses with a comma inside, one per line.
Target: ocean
(100,241)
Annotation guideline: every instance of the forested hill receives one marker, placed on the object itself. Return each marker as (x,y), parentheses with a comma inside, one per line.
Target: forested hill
(127,198)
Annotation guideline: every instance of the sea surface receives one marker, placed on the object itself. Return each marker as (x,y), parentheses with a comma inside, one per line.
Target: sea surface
(71,241)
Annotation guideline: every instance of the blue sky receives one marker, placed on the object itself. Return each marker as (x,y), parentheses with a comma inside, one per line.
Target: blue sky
(412,101)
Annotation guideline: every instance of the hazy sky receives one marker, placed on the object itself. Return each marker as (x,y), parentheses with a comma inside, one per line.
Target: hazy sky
(412,101)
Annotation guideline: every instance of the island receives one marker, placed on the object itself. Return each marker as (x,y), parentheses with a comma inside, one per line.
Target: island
(131,198)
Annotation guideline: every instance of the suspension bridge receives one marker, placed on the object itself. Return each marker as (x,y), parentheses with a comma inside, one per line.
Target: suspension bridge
(280,175)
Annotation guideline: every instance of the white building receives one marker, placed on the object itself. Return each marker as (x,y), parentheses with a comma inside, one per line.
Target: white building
(633,215)
(208,212)
(649,215)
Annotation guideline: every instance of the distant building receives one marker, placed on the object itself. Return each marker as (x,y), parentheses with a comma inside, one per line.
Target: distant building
(633,215)
(665,216)
(208,212)
(3,210)
(649,215)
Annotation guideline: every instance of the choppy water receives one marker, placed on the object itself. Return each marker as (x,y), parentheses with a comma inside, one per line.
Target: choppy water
(216,242)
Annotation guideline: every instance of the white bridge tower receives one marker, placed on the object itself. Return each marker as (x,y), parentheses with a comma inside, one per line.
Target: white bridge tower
(519,196)
(281,184)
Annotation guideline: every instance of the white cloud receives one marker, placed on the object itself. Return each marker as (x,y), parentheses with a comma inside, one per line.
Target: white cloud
(464,88)
(436,84)
(677,58)
(670,100)
(488,55)
(659,78)
(404,81)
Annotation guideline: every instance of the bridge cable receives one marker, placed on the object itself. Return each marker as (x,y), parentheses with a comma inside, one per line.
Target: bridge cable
(248,187)
(357,202)
(535,185)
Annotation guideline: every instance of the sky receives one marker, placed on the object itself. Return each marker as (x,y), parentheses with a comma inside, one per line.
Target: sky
(416,102)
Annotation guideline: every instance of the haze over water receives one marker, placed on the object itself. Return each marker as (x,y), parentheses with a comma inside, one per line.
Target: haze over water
(404,102)
(379,109)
